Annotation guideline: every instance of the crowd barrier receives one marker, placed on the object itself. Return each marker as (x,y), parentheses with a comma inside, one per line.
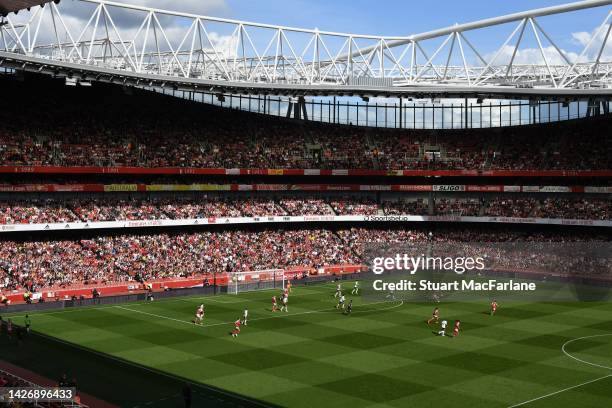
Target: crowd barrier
(127,188)
(284,219)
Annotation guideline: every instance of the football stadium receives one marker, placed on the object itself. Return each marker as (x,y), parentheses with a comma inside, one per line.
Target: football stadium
(205,204)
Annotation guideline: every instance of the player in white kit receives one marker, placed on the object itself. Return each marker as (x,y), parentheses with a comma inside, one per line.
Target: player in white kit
(443,325)
(338,290)
(340,304)
(245,316)
(199,316)
(285,301)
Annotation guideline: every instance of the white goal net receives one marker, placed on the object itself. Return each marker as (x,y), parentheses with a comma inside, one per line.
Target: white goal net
(258,280)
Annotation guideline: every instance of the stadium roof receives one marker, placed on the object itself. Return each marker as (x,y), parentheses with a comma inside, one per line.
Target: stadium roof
(8,6)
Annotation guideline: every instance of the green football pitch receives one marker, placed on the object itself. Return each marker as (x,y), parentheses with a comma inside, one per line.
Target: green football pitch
(383,355)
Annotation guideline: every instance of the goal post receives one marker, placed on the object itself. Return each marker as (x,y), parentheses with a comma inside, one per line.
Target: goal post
(256,280)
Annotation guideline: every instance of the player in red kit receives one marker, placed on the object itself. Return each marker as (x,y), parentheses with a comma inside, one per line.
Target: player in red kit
(236,330)
(493,307)
(274,304)
(435,316)
(456,328)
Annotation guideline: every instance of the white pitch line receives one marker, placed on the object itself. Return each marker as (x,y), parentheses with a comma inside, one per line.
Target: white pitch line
(560,391)
(259,318)
(584,361)
(100,307)
(152,314)
(186,298)
(236,299)
(149,369)
(579,360)
(211,300)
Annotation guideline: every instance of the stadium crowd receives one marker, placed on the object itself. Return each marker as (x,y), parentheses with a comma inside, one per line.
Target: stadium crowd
(282,151)
(120,209)
(102,259)
(137,257)
(132,127)
(352,206)
(400,207)
(465,207)
(93,209)
(577,208)
(508,207)
(8,380)
(307,206)
(581,208)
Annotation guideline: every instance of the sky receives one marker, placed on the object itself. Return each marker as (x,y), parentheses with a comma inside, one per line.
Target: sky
(386,17)
(570,32)
(391,17)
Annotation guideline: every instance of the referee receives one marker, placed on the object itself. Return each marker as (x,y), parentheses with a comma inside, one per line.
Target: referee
(28,323)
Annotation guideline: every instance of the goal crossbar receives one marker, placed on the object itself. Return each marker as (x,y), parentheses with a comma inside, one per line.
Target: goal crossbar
(256,280)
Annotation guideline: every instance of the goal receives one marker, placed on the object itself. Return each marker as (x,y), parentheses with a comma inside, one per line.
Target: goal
(258,280)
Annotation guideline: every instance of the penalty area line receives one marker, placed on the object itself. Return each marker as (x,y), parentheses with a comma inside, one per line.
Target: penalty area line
(152,314)
(186,298)
(258,318)
(560,391)
(234,299)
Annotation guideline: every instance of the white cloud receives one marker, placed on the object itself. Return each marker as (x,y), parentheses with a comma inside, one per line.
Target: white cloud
(200,7)
(128,18)
(583,38)
(76,15)
(224,44)
(531,56)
